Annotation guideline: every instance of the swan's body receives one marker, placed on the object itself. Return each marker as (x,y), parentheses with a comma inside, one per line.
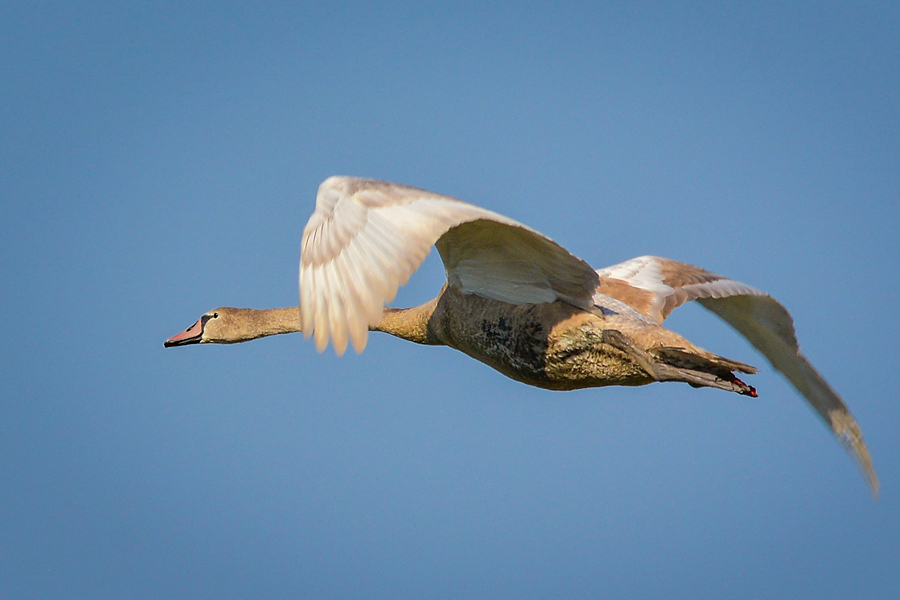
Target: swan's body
(517,301)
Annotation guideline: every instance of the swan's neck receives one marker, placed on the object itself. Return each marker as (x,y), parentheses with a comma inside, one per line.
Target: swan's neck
(407,323)
(255,323)
(411,324)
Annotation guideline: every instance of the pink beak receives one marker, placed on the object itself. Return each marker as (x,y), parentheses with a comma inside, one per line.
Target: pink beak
(191,335)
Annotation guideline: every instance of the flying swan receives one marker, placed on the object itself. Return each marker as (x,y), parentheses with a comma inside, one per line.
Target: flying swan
(518,302)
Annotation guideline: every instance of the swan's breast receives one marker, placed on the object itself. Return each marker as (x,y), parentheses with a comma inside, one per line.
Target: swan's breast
(551,345)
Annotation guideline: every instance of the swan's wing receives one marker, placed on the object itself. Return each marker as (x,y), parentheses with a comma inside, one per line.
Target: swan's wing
(656,286)
(367,237)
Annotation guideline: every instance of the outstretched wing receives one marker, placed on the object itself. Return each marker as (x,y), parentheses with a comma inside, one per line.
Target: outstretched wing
(367,237)
(656,286)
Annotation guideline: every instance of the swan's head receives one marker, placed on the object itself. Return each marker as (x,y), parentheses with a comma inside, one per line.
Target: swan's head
(218,326)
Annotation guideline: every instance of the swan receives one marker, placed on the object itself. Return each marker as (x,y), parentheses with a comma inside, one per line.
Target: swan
(518,302)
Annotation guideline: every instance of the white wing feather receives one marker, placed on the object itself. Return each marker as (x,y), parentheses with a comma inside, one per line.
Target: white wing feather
(367,237)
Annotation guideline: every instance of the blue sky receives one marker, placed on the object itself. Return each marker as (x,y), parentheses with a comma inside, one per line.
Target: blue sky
(159,160)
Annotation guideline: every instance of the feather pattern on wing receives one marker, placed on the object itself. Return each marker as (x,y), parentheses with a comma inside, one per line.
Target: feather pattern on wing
(656,286)
(367,237)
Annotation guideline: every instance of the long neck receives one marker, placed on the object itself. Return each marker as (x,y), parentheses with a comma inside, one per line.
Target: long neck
(410,323)
(407,323)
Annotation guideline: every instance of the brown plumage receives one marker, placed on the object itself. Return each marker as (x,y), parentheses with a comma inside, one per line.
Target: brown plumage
(518,302)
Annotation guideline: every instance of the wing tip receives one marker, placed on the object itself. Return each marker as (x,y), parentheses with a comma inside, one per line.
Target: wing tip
(848,433)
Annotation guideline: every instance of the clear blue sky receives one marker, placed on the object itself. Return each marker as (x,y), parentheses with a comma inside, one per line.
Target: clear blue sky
(158,160)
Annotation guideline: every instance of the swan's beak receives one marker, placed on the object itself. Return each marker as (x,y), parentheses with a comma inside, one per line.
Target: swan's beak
(191,335)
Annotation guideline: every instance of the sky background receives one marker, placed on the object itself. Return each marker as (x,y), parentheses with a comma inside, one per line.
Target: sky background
(158,160)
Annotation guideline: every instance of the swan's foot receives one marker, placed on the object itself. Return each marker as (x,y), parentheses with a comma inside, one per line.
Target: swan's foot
(672,364)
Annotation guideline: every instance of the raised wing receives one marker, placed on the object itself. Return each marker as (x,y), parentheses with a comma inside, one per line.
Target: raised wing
(367,237)
(656,286)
